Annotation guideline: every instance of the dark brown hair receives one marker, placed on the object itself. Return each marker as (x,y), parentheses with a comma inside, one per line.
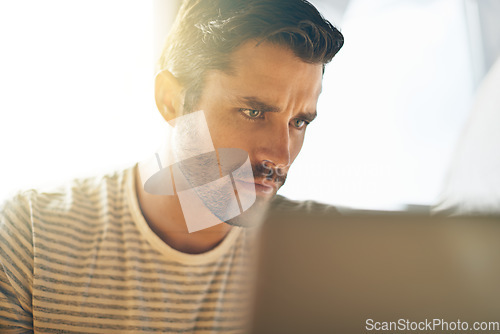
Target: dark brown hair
(206,32)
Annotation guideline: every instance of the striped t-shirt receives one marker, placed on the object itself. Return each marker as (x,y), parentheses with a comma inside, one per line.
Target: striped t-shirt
(82,259)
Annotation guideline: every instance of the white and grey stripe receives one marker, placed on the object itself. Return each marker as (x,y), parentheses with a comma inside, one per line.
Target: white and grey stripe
(81,259)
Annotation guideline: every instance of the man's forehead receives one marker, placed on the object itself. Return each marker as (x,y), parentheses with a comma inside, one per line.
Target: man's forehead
(272,67)
(254,52)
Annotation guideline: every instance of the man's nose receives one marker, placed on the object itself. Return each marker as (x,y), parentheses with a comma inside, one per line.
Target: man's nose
(276,147)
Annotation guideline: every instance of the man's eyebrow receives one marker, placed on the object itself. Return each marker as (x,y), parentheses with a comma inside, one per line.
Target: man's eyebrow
(307,116)
(254,103)
(257,104)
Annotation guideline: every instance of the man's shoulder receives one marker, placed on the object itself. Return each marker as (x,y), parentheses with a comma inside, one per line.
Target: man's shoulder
(283,204)
(85,194)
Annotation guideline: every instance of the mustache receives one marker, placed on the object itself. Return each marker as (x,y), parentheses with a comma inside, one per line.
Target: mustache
(277,175)
(206,168)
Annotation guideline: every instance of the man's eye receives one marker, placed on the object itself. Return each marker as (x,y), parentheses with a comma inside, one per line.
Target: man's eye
(252,114)
(299,123)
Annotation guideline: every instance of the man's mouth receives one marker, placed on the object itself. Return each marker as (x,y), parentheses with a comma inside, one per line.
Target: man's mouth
(261,187)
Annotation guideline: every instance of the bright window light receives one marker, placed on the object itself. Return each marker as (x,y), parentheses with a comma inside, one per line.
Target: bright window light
(394,101)
(76,87)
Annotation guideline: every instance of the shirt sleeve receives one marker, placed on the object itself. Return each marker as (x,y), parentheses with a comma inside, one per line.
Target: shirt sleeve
(16,265)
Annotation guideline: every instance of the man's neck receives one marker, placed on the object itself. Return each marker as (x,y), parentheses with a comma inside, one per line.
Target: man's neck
(165,218)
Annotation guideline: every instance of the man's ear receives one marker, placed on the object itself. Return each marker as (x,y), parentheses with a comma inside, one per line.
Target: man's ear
(169,95)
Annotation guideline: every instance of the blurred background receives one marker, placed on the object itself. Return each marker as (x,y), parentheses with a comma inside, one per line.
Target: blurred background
(76,94)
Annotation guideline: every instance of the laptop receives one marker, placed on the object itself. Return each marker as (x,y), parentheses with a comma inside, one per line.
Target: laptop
(380,273)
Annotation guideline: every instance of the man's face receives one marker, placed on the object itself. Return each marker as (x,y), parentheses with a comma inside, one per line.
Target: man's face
(263,107)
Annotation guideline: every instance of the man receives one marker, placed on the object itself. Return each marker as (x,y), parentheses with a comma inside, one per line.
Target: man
(108,254)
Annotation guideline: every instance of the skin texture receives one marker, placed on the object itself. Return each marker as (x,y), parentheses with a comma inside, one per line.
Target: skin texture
(262,106)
